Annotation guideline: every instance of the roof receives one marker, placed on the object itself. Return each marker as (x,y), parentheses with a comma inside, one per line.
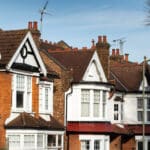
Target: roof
(127,76)
(95,127)
(9,42)
(27,121)
(76,61)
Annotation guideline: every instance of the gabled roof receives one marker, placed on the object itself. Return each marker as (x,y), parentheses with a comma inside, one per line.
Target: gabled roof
(127,76)
(75,61)
(27,121)
(9,42)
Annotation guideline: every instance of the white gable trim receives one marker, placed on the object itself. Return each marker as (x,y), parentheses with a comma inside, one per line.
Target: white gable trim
(36,52)
(101,73)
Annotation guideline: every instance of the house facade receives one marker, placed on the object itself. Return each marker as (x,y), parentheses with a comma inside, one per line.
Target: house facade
(26,113)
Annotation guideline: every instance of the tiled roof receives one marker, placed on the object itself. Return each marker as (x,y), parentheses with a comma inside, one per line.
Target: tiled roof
(27,121)
(76,61)
(127,76)
(9,42)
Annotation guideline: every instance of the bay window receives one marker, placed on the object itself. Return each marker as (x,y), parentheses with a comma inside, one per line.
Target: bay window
(140,109)
(22,93)
(93,103)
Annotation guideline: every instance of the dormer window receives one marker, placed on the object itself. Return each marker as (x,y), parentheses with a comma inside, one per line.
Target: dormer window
(21,89)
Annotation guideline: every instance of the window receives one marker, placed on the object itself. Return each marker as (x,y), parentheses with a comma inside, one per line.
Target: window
(85,103)
(40,140)
(116,112)
(54,141)
(14,141)
(85,145)
(96,145)
(96,104)
(139,143)
(29,141)
(94,142)
(140,109)
(104,104)
(22,89)
(45,98)
(93,103)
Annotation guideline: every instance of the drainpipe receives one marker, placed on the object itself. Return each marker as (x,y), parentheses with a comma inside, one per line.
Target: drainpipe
(71,91)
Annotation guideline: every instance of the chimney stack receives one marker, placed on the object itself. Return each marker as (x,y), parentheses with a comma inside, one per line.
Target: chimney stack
(113,52)
(117,52)
(104,39)
(126,58)
(35,25)
(29,25)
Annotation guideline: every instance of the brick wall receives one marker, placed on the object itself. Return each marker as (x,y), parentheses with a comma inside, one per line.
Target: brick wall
(115,143)
(5,103)
(129,144)
(74,143)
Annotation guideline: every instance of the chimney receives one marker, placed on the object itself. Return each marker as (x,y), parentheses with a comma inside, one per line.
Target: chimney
(113,52)
(126,58)
(102,48)
(35,25)
(29,25)
(104,39)
(117,52)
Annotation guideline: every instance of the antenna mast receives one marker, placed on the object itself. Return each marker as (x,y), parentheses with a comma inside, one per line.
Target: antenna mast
(120,42)
(42,12)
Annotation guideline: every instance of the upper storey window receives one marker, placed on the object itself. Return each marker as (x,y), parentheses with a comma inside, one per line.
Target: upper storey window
(22,91)
(140,109)
(93,103)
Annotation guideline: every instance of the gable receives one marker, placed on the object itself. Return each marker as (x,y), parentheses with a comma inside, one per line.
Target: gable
(27,57)
(94,71)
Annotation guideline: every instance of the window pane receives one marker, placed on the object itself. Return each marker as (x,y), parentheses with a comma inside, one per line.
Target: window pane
(46,98)
(140,146)
(40,140)
(85,145)
(14,141)
(51,140)
(29,84)
(19,99)
(140,115)
(116,116)
(85,103)
(140,103)
(96,145)
(116,107)
(59,140)
(148,115)
(96,96)
(20,82)
(148,103)
(148,145)
(96,110)
(29,141)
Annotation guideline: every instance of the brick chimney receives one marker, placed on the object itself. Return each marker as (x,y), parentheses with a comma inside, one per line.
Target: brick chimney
(102,47)
(126,57)
(33,28)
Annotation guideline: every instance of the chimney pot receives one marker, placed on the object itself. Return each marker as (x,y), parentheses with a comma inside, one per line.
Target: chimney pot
(126,58)
(99,39)
(35,25)
(104,39)
(117,52)
(113,52)
(29,25)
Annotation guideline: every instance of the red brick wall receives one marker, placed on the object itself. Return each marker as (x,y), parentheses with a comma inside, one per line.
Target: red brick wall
(35,97)
(115,143)
(5,103)
(74,143)
(130,144)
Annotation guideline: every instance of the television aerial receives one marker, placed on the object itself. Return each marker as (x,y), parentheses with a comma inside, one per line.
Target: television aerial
(43,12)
(120,42)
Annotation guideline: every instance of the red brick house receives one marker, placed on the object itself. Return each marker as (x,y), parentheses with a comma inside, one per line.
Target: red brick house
(26,94)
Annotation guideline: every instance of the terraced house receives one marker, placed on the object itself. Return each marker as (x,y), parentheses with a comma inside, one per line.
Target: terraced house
(54,96)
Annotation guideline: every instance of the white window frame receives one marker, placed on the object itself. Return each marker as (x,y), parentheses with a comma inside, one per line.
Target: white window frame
(43,86)
(118,112)
(103,139)
(140,139)
(102,104)
(140,109)
(35,134)
(27,93)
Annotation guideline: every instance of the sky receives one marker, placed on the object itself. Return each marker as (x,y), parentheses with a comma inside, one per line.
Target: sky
(77,22)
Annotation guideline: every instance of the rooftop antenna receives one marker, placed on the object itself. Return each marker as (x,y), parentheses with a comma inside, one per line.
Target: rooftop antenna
(42,12)
(120,41)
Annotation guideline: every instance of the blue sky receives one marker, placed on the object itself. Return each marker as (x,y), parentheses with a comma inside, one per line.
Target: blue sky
(78,22)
